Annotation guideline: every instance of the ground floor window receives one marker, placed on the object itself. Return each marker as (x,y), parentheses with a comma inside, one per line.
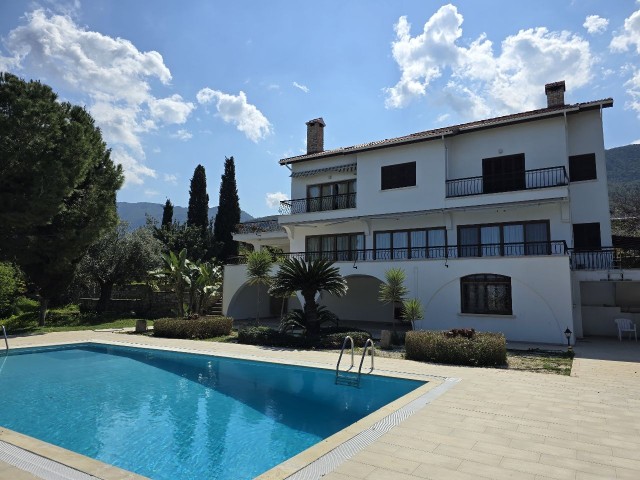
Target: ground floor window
(486,293)
(340,247)
(407,244)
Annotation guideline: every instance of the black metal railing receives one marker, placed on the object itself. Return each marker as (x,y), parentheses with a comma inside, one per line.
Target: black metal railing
(259,227)
(556,247)
(509,182)
(606,259)
(318,204)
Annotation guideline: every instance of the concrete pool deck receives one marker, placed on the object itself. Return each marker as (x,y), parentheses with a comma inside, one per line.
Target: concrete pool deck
(493,423)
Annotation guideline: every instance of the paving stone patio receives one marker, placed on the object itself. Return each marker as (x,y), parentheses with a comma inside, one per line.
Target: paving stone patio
(494,423)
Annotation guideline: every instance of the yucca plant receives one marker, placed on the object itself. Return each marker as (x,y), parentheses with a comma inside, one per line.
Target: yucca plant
(412,310)
(309,278)
(259,265)
(393,290)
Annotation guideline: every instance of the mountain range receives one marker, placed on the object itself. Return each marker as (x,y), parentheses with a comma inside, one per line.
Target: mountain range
(135,214)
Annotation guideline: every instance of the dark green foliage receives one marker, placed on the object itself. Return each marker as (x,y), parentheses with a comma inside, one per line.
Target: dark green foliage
(199,328)
(625,209)
(176,237)
(297,319)
(309,278)
(228,215)
(57,184)
(11,285)
(198,213)
(119,257)
(483,350)
(623,165)
(270,337)
(167,214)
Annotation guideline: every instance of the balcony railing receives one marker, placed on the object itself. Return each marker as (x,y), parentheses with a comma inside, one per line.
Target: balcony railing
(259,227)
(556,247)
(527,180)
(318,204)
(606,259)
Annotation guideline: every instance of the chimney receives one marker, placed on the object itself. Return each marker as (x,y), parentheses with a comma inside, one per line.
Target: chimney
(315,136)
(555,94)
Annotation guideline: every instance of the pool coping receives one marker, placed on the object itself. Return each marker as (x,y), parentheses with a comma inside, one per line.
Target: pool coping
(322,457)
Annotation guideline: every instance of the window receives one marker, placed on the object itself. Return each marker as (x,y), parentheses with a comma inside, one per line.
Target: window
(331,196)
(486,293)
(503,174)
(586,236)
(582,167)
(407,244)
(398,176)
(342,247)
(506,239)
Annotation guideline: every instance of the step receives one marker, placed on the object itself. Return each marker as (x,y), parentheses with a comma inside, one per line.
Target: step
(348,380)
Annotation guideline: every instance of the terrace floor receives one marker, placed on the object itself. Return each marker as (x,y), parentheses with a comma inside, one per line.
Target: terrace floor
(493,423)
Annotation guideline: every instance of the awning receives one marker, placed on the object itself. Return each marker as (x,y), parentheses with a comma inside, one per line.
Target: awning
(352,167)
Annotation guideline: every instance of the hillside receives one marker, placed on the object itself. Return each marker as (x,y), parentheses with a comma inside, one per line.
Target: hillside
(623,166)
(135,213)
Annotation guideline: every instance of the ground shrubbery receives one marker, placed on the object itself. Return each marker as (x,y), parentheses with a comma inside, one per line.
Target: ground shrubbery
(329,338)
(476,349)
(196,328)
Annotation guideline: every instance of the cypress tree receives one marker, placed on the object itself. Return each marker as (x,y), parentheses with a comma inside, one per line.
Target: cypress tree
(167,214)
(198,212)
(228,215)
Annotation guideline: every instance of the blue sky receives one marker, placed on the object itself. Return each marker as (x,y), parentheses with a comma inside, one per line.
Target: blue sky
(174,84)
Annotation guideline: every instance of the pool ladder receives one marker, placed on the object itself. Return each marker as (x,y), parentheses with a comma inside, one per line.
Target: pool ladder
(6,341)
(347,377)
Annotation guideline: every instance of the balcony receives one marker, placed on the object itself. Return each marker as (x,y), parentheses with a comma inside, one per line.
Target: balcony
(510,182)
(318,204)
(606,259)
(261,226)
(556,247)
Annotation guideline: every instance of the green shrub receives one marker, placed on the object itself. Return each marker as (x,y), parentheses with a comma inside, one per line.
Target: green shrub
(335,340)
(203,327)
(269,337)
(482,350)
(10,287)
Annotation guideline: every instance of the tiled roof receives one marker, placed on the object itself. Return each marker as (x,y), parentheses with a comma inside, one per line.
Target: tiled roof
(455,129)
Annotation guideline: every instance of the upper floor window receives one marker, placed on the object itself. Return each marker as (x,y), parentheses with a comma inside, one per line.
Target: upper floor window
(582,167)
(586,236)
(503,174)
(406,244)
(398,176)
(486,293)
(331,196)
(522,238)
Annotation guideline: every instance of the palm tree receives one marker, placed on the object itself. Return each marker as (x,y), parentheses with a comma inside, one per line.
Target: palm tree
(309,278)
(393,290)
(412,310)
(176,271)
(208,282)
(259,265)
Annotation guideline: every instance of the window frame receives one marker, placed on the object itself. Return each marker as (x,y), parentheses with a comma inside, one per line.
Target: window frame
(483,282)
(409,254)
(580,170)
(478,248)
(323,203)
(353,253)
(393,176)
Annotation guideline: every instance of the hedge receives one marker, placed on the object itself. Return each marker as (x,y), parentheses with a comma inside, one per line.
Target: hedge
(203,327)
(482,350)
(269,337)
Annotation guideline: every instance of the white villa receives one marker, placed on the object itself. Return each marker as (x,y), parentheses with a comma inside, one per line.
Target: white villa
(501,225)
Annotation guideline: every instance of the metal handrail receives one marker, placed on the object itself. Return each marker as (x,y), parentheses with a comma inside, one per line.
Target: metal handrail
(368,343)
(323,203)
(6,341)
(344,345)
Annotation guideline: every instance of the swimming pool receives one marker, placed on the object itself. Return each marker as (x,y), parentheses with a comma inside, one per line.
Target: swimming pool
(171,415)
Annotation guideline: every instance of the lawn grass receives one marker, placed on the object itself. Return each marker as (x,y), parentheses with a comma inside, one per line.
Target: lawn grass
(542,361)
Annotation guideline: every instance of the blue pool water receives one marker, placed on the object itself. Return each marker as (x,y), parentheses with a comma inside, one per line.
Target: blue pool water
(169,415)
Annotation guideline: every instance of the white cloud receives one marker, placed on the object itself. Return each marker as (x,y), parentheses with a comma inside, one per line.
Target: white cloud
(182,134)
(479,81)
(443,117)
(304,88)
(171,109)
(235,109)
(630,35)
(151,193)
(110,74)
(273,199)
(595,24)
(170,178)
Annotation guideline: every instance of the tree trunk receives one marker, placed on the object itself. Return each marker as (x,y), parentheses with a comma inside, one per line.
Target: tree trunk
(44,303)
(106,289)
(311,315)
(258,307)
